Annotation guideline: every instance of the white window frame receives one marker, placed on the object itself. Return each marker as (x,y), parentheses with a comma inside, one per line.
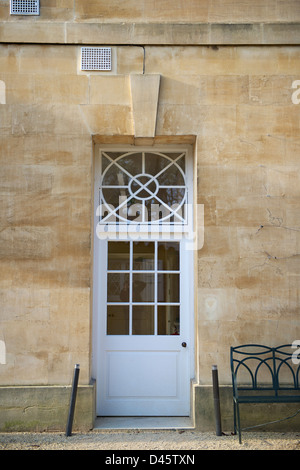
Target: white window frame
(143,229)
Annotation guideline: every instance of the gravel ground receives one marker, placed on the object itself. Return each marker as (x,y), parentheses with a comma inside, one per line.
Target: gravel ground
(149,440)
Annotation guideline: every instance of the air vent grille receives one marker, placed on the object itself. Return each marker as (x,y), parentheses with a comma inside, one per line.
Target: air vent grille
(96,58)
(24,7)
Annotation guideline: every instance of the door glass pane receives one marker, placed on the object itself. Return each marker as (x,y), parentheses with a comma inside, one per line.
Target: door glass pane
(143,320)
(172,176)
(117,319)
(168,256)
(155,163)
(168,322)
(143,287)
(118,256)
(131,163)
(168,287)
(117,287)
(115,176)
(143,256)
(143,273)
(171,196)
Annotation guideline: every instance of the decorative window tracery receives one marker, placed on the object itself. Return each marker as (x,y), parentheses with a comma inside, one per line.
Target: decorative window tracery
(145,187)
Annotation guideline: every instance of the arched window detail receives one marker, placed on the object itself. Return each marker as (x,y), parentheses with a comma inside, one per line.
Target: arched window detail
(145,187)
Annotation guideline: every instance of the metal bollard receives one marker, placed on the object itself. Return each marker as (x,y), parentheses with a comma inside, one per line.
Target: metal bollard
(73,400)
(215,381)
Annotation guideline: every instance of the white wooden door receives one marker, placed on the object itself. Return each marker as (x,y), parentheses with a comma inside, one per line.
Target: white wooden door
(145,330)
(143,285)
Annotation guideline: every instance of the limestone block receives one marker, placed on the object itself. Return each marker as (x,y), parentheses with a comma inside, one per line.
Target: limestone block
(188,11)
(226,90)
(205,90)
(242,211)
(45,408)
(256,11)
(103,11)
(224,177)
(48,60)
(291,150)
(37,32)
(271,89)
(219,241)
(26,178)
(230,148)
(60,10)
(215,305)
(26,242)
(50,149)
(71,181)
(261,269)
(110,90)
(186,89)
(282,181)
(130,60)
(236,34)
(179,119)
(22,305)
(56,119)
(269,120)
(68,89)
(46,331)
(5,120)
(218,60)
(4,10)
(292,216)
(214,272)
(137,33)
(144,95)
(19,89)
(9,59)
(102,119)
(278,32)
(2,92)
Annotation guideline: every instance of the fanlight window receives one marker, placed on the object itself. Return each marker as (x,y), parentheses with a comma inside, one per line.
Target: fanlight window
(142,187)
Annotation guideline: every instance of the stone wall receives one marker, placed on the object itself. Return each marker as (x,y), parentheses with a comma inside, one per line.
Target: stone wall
(165,11)
(221,83)
(237,101)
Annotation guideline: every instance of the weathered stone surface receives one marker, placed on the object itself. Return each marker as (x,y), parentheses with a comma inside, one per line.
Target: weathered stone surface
(236,101)
(144,96)
(44,408)
(233,103)
(164,34)
(228,11)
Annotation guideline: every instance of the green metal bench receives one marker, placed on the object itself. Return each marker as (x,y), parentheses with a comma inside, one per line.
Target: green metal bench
(261,374)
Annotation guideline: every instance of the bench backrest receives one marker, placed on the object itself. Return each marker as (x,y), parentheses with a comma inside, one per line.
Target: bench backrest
(259,367)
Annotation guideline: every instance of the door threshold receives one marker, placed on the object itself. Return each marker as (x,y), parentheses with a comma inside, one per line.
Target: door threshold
(143,422)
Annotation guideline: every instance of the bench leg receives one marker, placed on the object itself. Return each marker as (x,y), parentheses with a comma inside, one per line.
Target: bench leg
(236,418)
(239,422)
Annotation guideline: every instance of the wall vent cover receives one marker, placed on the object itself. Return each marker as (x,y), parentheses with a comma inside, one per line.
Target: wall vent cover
(24,7)
(96,58)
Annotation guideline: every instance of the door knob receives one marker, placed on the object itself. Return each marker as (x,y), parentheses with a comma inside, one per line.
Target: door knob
(183,344)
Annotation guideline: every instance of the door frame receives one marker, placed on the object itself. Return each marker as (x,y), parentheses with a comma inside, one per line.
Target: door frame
(98,270)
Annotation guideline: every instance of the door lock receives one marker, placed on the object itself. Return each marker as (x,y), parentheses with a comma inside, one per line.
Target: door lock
(183,344)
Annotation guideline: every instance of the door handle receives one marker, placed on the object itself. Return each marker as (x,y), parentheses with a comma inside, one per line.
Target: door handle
(183,344)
